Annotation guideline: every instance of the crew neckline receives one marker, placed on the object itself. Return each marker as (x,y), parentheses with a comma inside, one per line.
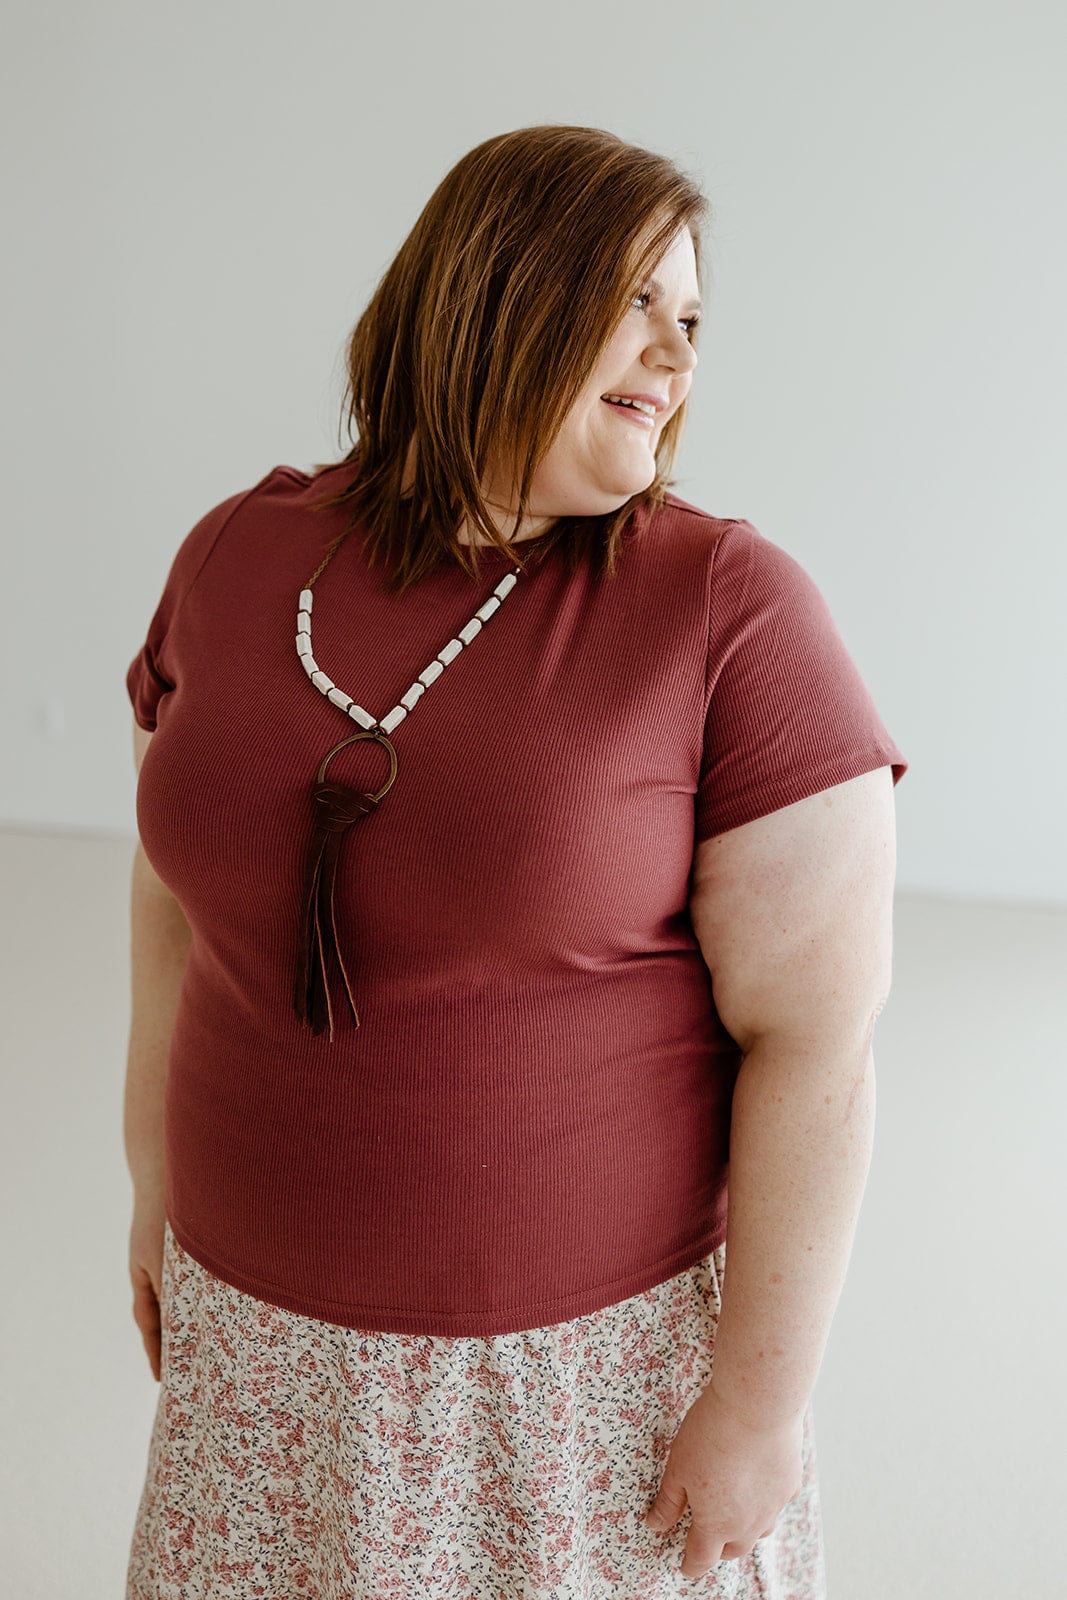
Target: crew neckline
(493,550)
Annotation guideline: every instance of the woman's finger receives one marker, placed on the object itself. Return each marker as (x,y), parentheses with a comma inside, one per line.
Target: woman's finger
(147,1317)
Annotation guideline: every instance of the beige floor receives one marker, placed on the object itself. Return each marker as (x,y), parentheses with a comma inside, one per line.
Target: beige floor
(941,1407)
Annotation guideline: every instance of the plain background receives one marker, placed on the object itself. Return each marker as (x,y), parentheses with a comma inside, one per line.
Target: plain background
(200,201)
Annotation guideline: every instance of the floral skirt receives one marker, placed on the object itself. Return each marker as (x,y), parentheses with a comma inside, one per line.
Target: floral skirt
(296,1458)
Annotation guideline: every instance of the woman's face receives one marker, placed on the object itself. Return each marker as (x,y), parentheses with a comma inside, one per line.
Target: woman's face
(605,453)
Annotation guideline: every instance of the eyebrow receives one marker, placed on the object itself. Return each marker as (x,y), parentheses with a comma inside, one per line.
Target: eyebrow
(658,290)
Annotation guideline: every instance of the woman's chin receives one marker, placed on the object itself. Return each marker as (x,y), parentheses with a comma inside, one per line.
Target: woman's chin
(638,470)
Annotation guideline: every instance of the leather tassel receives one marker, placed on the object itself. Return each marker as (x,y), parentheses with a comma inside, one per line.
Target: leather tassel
(336,807)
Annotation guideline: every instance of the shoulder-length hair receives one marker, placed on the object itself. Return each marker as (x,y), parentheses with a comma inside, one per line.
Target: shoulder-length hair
(483,331)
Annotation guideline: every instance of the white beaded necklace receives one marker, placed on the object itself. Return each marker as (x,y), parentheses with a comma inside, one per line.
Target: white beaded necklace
(427,676)
(337,806)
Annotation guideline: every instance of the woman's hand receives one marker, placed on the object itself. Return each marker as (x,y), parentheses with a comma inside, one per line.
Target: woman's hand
(734,1474)
(146,1270)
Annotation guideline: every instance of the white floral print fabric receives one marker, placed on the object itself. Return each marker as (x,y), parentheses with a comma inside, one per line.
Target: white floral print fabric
(296,1458)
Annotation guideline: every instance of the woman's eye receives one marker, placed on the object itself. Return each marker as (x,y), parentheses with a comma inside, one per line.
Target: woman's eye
(689,323)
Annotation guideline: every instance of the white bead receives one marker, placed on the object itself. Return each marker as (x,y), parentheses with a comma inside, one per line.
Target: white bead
(311,666)
(305,599)
(321,681)
(428,674)
(416,692)
(303,644)
(450,651)
(467,633)
(358,714)
(303,623)
(339,697)
(506,584)
(388,723)
(486,611)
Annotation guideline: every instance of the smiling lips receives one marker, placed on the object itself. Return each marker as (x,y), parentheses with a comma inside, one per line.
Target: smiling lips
(630,414)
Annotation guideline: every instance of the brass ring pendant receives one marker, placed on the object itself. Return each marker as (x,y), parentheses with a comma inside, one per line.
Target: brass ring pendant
(380,738)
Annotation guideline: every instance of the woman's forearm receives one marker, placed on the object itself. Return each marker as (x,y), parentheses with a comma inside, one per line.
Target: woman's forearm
(159,948)
(801,1137)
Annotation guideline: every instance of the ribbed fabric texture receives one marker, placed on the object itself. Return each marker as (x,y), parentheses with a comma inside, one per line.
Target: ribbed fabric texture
(532,1121)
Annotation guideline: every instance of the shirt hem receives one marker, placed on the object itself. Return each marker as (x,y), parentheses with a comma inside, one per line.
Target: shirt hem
(735,810)
(475,1324)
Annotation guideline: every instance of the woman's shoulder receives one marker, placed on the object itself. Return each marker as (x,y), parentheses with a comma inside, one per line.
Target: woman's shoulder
(683,521)
(282,488)
(697,544)
(738,550)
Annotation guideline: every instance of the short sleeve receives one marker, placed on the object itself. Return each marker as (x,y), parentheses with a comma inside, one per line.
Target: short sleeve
(787,711)
(153,672)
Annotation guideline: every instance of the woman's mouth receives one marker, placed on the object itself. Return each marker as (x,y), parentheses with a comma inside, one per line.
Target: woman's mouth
(631,415)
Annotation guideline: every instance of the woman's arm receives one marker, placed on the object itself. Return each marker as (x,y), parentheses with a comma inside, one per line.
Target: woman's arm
(159,947)
(793,913)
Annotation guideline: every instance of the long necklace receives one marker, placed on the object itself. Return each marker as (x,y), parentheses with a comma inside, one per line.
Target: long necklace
(336,806)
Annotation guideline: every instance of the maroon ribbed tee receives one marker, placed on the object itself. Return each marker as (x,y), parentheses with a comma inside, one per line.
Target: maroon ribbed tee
(532,1121)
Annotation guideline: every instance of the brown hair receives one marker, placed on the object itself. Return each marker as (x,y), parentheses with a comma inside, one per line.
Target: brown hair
(509,286)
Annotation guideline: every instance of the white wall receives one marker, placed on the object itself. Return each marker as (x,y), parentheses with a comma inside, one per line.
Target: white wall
(204,195)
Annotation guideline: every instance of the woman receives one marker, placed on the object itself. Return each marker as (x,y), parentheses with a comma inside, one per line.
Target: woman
(429,1098)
